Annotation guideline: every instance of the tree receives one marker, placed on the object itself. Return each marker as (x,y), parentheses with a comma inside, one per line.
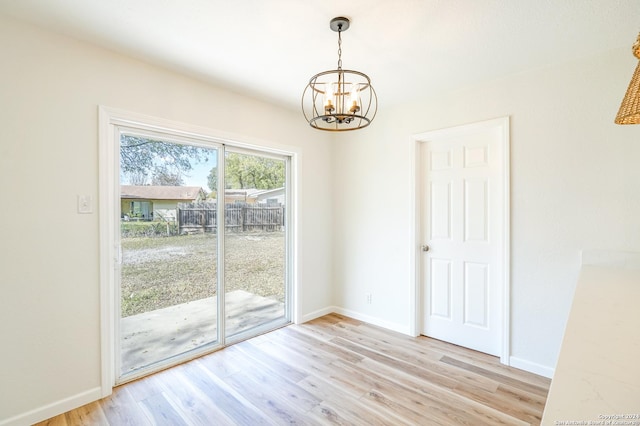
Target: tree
(148,157)
(212,179)
(137,177)
(163,178)
(250,171)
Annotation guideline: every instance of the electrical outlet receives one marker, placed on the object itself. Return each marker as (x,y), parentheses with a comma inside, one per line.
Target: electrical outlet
(368,298)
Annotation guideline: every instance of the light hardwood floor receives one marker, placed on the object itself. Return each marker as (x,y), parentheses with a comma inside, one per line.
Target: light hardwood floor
(333,370)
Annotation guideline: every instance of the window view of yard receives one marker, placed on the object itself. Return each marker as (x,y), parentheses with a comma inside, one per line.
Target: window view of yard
(159,272)
(169,230)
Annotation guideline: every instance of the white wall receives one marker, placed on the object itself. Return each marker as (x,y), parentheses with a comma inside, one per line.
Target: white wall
(50,89)
(575,185)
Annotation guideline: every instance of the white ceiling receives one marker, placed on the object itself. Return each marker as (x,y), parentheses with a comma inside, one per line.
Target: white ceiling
(410,48)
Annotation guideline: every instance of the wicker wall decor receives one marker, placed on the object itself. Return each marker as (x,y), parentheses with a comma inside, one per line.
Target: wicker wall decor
(629,112)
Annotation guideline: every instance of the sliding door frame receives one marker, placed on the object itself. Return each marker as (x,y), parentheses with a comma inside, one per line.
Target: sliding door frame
(288,238)
(111,122)
(173,138)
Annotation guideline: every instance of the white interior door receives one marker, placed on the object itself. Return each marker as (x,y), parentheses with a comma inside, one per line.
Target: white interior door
(464,217)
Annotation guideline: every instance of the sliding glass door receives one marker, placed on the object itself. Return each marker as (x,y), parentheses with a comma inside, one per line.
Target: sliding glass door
(168,276)
(255,255)
(204,255)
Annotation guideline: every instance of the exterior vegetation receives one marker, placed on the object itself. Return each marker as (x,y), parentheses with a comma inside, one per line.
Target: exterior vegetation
(148,229)
(162,272)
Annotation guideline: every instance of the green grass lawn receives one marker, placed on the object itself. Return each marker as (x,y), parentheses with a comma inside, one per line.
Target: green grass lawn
(164,271)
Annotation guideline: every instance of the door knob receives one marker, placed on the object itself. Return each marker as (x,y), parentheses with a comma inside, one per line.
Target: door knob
(425,247)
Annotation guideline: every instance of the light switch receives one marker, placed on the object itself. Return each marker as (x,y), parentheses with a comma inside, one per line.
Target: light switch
(85,204)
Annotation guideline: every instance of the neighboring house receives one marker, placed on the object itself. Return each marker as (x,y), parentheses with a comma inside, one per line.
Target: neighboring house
(239,195)
(270,196)
(253,196)
(149,202)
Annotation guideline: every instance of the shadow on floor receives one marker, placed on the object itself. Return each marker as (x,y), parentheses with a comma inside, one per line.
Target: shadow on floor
(156,335)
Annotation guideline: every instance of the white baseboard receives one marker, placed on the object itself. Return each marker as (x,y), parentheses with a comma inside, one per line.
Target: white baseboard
(53,409)
(531,367)
(317,314)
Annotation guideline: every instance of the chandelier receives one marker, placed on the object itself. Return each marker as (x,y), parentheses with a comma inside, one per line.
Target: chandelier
(339,100)
(629,112)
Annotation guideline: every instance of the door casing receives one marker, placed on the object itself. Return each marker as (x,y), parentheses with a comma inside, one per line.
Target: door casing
(109,119)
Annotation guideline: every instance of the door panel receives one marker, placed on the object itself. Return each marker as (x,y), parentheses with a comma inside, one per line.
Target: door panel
(462,223)
(168,274)
(441,288)
(476,220)
(476,290)
(441,210)
(255,256)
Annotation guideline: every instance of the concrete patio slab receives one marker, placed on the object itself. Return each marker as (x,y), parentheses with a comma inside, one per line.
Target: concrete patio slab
(157,335)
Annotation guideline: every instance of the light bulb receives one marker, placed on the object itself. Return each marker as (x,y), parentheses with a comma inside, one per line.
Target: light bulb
(328,97)
(354,97)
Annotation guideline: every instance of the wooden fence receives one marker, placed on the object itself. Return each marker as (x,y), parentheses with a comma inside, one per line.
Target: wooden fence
(239,217)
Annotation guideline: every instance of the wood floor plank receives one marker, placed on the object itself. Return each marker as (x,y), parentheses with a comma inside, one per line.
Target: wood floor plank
(144,388)
(308,351)
(386,393)
(320,346)
(432,348)
(339,403)
(440,408)
(273,404)
(501,402)
(304,362)
(263,376)
(410,411)
(438,404)
(87,415)
(161,412)
(221,363)
(332,370)
(329,381)
(265,360)
(430,361)
(485,361)
(120,408)
(234,405)
(318,368)
(500,378)
(59,420)
(196,407)
(440,379)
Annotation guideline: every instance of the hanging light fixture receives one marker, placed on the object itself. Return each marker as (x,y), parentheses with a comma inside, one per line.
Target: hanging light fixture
(629,112)
(339,100)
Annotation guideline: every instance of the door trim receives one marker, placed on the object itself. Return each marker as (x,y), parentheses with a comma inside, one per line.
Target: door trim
(417,308)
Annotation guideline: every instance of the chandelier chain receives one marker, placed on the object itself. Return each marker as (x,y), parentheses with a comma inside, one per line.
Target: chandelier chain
(340,47)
